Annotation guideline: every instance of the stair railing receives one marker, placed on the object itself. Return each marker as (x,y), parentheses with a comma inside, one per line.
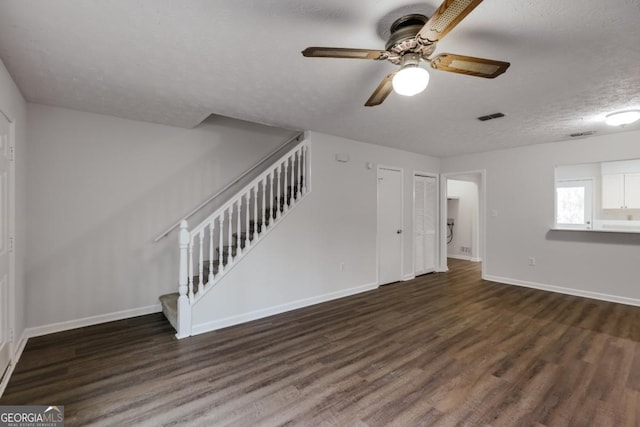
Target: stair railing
(212,248)
(209,199)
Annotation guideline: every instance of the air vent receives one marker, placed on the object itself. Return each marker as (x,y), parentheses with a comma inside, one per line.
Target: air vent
(490,116)
(579,134)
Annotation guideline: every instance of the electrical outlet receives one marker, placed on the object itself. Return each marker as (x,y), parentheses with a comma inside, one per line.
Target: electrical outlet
(532,261)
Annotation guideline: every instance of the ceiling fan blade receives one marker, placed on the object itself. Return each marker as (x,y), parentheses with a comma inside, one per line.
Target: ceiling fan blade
(341,52)
(382,91)
(448,15)
(479,67)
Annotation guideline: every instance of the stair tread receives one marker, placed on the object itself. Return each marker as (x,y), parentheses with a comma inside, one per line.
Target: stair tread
(169,303)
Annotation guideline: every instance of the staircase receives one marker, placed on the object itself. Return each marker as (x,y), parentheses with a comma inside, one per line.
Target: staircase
(216,245)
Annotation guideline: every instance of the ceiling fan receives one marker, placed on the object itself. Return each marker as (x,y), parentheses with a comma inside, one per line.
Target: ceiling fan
(413,39)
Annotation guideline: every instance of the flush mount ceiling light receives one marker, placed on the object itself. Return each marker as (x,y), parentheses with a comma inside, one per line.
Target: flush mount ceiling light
(411,79)
(622,118)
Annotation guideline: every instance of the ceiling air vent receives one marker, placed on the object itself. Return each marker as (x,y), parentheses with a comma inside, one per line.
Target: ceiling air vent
(490,116)
(579,134)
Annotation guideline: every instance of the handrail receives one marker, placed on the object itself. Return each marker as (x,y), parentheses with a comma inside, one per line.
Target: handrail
(226,187)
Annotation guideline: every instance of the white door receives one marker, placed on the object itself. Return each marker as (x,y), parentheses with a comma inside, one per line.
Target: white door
(425,195)
(5,204)
(389,225)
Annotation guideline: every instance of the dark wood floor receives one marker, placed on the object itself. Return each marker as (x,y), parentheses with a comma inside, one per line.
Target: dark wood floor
(444,349)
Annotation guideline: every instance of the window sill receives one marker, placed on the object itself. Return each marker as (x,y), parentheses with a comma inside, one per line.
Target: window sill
(600,230)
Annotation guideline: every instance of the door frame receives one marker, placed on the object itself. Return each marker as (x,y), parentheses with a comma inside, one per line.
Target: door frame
(11,294)
(402,241)
(438,215)
(482,221)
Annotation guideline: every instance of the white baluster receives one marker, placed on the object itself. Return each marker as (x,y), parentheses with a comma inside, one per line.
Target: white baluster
(247,210)
(221,246)
(286,187)
(255,212)
(297,180)
(239,228)
(264,207)
(190,268)
(184,309)
(230,237)
(305,167)
(278,197)
(211,254)
(201,263)
(272,213)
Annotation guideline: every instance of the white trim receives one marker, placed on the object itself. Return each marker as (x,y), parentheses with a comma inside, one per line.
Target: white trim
(464,257)
(92,320)
(11,234)
(563,290)
(411,276)
(457,256)
(201,328)
(14,361)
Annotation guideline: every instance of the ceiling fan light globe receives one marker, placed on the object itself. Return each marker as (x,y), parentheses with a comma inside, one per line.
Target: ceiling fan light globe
(410,80)
(622,118)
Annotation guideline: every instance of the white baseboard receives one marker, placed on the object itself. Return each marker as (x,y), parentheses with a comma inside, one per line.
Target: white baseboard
(457,256)
(270,311)
(408,277)
(562,290)
(14,361)
(92,320)
(474,259)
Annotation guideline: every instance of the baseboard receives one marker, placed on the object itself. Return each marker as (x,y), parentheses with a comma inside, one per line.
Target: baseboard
(14,361)
(408,277)
(474,259)
(562,290)
(270,311)
(462,257)
(92,320)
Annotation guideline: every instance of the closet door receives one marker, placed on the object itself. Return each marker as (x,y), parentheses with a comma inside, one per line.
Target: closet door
(425,200)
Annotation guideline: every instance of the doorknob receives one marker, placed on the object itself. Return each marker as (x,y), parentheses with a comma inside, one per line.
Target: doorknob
(399,232)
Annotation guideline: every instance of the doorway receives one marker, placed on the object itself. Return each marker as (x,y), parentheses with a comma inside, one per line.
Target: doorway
(390,225)
(462,224)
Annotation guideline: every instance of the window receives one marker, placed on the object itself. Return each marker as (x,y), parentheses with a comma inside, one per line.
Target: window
(574,203)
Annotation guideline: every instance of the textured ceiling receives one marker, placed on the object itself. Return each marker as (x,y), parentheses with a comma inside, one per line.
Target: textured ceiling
(177,62)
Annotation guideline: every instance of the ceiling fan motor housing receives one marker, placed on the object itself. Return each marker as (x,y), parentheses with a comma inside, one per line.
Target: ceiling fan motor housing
(403,38)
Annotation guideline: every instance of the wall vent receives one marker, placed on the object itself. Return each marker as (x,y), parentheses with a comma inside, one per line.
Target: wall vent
(579,134)
(490,116)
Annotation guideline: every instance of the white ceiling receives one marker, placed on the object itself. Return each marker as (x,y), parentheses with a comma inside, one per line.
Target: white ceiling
(177,62)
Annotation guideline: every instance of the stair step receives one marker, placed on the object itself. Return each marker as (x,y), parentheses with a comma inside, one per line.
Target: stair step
(169,303)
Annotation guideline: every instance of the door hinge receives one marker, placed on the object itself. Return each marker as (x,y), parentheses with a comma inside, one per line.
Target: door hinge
(11,244)
(12,153)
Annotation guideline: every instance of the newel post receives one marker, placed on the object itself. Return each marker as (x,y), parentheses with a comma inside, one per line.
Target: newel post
(184,308)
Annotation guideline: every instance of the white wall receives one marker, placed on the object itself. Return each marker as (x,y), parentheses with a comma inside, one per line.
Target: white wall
(101,188)
(520,189)
(13,104)
(463,208)
(299,262)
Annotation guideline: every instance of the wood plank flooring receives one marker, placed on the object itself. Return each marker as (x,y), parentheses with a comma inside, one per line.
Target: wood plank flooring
(441,350)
